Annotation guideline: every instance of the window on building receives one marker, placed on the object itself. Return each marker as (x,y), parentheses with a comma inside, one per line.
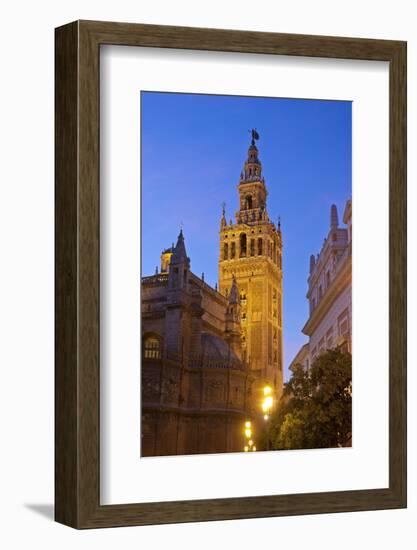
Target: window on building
(151,347)
(248,202)
(259,246)
(233,250)
(328,279)
(343,326)
(225,251)
(320,292)
(243,244)
(329,338)
(252,247)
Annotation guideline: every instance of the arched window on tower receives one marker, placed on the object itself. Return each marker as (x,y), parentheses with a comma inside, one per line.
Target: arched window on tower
(233,250)
(242,245)
(252,247)
(260,246)
(225,251)
(151,347)
(248,202)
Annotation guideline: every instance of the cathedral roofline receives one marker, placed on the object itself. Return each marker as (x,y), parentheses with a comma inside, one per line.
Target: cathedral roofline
(179,253)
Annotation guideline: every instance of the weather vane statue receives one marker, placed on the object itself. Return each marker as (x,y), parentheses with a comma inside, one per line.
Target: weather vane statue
(255,135)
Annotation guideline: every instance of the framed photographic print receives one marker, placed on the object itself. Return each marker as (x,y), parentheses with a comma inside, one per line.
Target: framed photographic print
(230,274)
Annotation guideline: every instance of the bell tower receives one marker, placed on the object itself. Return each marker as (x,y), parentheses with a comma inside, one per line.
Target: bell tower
(251,258)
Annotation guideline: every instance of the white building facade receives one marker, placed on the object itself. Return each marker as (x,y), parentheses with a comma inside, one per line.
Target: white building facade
(330,292)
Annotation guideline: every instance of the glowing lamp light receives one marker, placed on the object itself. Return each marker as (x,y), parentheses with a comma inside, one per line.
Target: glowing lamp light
(247,424)
(267,390)
(248,432)
(266,417)
(246,448)
(253,448)
(250,442)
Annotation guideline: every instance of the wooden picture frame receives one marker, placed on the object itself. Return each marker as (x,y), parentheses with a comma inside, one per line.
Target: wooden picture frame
(77,403)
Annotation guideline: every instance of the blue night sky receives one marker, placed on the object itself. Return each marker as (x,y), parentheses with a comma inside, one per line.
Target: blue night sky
(193,150)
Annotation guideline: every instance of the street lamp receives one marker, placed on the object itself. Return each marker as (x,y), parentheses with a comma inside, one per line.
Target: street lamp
(249,446)
(267,405)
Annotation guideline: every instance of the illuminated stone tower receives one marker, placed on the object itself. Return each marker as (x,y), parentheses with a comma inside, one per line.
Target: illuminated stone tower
(251,252)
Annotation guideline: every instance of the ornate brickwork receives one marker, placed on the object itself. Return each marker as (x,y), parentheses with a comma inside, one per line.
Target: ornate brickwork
(251,251)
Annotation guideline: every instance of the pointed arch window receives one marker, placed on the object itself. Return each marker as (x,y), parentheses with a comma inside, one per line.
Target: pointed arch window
(260,252)
(248,202)
(225,251)
(242,245)
(233,250)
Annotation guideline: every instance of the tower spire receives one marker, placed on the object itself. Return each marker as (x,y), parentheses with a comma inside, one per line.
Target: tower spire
(233,328)
(252,189)
(233,297)
(334,218)
(223,221)
(179,253)
(252,170)
(179,265)
(250,275)
(255,135)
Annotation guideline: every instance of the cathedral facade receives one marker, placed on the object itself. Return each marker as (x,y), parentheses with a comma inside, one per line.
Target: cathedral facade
(207,352)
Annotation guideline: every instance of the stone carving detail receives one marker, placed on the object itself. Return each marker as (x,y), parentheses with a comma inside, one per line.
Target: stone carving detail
(214,391)
(170,389)
(150,386)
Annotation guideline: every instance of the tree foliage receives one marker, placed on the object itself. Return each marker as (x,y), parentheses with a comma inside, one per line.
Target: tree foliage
(316,409)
